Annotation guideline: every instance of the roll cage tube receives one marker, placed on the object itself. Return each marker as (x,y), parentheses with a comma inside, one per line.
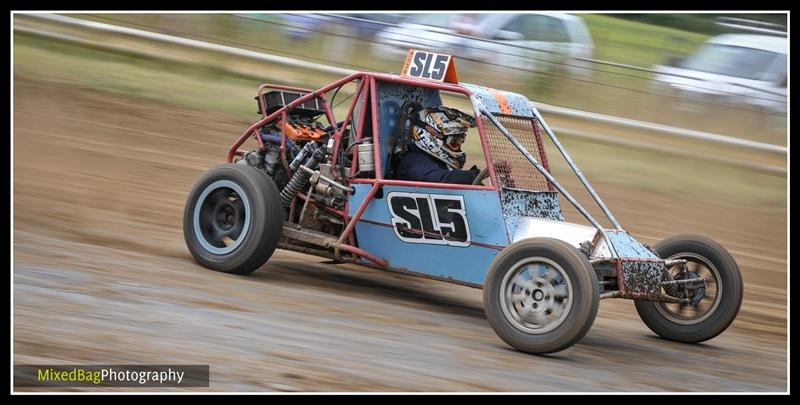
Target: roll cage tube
(481,109)
(576,169)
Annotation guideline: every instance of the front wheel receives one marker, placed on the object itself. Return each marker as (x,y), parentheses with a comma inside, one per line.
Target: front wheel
(233,219)
(540,295)
(713,308)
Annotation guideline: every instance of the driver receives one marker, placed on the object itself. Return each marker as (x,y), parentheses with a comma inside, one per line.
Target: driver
(434,151)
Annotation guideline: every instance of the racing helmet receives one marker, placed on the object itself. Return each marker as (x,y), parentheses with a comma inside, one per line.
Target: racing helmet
(440,131)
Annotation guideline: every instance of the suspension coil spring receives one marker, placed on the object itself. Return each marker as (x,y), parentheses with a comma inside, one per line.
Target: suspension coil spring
(301,177)
(297,183)
(671,289)
(666,277)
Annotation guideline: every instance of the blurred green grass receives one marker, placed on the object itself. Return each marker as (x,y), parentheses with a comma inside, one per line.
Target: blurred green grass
(638,44)
(208,89)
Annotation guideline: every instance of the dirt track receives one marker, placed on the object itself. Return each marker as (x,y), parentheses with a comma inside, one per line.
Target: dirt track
(102,276)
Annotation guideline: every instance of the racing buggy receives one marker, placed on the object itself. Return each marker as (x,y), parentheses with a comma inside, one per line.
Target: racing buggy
(325,187)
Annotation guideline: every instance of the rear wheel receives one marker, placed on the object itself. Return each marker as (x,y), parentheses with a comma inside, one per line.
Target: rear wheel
(540,295)
(233,219)
(713,308)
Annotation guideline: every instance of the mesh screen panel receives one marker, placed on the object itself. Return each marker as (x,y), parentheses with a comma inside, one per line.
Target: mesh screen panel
(512,168)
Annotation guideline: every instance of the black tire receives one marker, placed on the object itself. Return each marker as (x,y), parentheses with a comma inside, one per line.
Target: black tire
(578,310)
(226,209)
(720,313)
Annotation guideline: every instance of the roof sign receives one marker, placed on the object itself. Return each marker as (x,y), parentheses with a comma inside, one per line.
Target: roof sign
(426,65)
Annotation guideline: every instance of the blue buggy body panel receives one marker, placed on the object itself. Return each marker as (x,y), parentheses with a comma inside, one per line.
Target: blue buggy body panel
(380,230)
(420,237)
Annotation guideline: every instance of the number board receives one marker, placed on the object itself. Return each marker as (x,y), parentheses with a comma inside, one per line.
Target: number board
(429,218)
(430,66)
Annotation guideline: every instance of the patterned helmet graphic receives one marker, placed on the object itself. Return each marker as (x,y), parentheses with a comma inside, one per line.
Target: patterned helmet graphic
(440,132)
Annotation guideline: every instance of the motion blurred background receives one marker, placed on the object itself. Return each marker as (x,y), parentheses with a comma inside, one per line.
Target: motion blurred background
(724,74)
(593,62)
(680,121)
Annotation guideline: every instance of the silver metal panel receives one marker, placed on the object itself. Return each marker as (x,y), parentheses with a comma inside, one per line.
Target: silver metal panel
(573,234)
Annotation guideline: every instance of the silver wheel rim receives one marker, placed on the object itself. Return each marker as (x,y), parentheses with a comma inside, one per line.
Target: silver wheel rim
(688,314)
(536,295)
(206,228)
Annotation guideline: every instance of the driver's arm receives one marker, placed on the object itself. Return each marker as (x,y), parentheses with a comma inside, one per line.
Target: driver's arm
(461,176)
(419,167)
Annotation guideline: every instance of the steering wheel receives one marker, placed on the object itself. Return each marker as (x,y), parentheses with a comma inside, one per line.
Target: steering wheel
(481,176)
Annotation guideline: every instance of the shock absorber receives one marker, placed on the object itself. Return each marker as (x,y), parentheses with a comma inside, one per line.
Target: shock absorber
(301,177)
(301,157)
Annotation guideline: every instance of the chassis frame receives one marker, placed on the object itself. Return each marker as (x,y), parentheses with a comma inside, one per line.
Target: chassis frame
(638,271)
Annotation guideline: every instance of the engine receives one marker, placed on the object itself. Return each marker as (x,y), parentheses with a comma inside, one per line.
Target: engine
(309,145)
